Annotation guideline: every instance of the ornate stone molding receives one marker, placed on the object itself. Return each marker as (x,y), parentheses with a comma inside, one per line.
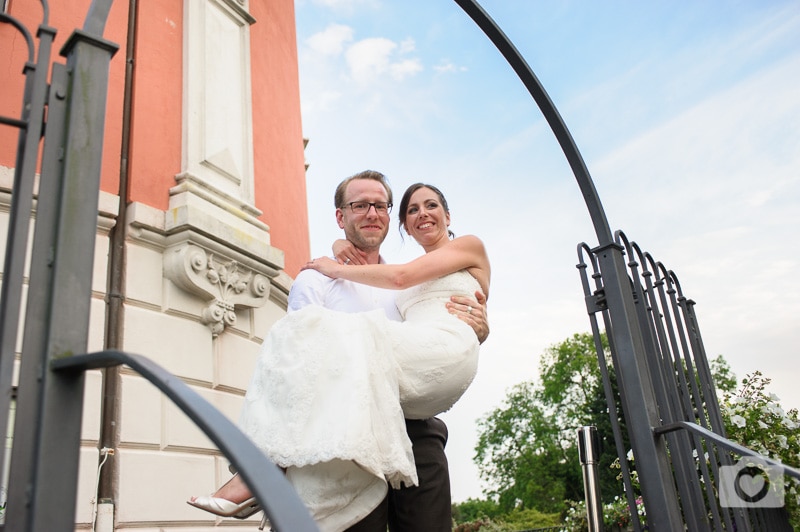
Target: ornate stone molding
(224,283)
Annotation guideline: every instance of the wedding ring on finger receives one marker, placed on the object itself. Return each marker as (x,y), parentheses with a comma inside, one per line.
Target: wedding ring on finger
(469,310)
(347,261)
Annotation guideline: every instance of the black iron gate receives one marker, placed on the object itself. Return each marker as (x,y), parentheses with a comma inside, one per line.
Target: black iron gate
(685,402)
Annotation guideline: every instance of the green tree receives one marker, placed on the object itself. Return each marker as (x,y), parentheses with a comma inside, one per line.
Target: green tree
(570,376)
(527,448)
(724,377)
(518,453)
(475,509)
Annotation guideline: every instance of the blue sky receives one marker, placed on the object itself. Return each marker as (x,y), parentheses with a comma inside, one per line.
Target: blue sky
(688,118)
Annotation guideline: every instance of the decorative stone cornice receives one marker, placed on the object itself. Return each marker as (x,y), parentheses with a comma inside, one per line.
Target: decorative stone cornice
(219,255)
(223,282)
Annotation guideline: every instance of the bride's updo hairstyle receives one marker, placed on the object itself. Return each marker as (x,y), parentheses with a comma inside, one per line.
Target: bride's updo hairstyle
(407,198)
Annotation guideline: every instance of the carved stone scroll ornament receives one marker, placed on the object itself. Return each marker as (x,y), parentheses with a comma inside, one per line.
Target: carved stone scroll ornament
(226,284)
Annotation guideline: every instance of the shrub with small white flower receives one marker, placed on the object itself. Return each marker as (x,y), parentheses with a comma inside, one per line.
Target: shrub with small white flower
(755,419)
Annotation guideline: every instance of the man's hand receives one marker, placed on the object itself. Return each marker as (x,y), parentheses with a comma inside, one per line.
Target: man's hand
(472,312)
(346,253)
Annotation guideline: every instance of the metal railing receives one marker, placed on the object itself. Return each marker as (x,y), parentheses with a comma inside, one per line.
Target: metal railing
(267,481)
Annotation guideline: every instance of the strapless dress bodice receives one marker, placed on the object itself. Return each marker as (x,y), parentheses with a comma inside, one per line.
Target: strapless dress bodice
(426,300)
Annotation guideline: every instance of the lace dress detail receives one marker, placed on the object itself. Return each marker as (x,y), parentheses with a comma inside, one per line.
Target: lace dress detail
(331,390)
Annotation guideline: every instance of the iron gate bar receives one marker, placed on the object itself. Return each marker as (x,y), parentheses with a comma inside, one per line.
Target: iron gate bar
(695,345)
(8,19)
(768,519)
(706,403)
(19,217)
(37,310)
(593,306)
(692,410)
(267,482)
(701,358)
(595,303)
(663,367)
(699,388)
(14,122)
(660,309)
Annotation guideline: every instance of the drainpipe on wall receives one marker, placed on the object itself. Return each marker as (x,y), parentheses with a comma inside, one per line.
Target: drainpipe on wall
(115,298)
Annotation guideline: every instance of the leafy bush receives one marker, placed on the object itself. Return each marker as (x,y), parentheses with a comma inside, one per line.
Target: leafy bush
(755,419)
(485,516)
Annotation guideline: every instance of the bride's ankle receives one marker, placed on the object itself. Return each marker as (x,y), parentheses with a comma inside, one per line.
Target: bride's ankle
(233,491)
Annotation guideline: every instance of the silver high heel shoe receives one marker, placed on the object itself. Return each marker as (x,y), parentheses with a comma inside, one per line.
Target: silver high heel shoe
(226,508)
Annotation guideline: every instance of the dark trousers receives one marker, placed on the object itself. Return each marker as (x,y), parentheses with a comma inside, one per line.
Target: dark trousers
(422,508)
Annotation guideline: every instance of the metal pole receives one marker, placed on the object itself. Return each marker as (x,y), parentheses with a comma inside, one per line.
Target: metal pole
(19,217)
(88,58)
(589,452)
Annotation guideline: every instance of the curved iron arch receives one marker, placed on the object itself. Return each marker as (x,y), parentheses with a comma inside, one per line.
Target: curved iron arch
(662,505)
(551,114)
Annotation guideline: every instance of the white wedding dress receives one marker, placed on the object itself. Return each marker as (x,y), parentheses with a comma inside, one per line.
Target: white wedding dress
(331,390)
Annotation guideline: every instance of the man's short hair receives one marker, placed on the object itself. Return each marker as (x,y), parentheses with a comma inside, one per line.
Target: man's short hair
(338,197)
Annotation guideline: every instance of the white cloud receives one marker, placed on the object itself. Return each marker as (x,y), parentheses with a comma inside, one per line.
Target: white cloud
(369,57)
(332,40)
(407,45)
(373,57)
(405,68)
(445,67)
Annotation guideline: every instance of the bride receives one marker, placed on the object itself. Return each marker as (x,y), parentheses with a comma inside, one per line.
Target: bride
(330,391)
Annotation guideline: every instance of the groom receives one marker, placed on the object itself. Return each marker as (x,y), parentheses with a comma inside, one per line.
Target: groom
(425,507)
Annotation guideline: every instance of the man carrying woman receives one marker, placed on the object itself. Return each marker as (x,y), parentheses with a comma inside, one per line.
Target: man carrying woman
(343,377)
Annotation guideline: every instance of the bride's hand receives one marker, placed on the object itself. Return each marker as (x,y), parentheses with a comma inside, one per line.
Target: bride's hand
(346,253)
(324,265)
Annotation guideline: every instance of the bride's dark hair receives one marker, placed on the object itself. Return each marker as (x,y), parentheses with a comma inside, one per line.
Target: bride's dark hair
(407,198)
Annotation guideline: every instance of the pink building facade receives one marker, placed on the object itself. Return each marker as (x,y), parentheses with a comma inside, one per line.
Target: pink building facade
(202,225)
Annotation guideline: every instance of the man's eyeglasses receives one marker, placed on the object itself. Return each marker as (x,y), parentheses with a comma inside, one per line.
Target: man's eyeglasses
(362,207)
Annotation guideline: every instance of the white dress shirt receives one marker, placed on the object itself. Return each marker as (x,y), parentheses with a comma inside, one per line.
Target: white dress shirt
(313,288)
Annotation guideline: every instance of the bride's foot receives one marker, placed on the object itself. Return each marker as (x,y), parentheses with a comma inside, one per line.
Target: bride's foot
(233,499)
(226,508)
